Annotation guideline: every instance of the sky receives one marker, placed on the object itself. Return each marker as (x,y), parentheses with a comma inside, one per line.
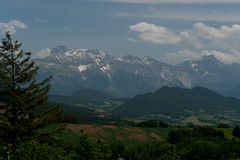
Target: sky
(171,31)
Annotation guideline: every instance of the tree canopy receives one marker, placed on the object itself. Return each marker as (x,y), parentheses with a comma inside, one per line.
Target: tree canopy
(21,94)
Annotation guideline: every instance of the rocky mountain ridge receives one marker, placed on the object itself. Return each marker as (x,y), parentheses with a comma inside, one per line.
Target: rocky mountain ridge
(125,76)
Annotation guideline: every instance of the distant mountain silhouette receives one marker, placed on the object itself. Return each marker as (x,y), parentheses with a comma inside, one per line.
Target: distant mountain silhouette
(169,100)
(82,96)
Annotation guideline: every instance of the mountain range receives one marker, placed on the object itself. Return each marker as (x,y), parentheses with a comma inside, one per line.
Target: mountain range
(127,76)
(176,100)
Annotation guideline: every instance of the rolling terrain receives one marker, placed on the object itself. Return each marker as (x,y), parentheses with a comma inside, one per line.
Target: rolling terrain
(169,100)
(174,105)
(179,106)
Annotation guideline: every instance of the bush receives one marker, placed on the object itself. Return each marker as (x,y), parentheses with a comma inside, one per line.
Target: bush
(200,149)
(36,151)
(143,151)
(152,124)
(207,133)
(223,125)
(88,149)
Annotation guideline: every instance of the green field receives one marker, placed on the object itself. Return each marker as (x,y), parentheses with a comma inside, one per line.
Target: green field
(110,133)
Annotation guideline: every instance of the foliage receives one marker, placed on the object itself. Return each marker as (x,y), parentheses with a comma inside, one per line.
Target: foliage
(189,144)
(152,123)
(37,151)
(87,149)
(20,95)
(223,125)
(236,132)
(149,150)
(208,133)
(204,143)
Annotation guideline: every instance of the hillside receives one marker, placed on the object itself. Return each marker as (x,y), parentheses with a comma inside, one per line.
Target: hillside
(83,96)
(112,133)
(78,114)
(90,95)
(175,100)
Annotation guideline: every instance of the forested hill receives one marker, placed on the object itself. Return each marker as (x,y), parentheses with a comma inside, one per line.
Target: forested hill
(82,96)
(177,100)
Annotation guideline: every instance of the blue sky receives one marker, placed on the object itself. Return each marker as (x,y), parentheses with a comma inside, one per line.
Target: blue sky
(169,30)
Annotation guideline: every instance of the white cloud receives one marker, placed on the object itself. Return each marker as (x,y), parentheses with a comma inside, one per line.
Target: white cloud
(201,36)
(155,34)
(225,57)
(40,20)
(214,33)
(186,54)
(181,56)
(187,15)
(11,26)
(173,1)
(189,38)
(131,40)
(222,42)
(225,38)
(43,53)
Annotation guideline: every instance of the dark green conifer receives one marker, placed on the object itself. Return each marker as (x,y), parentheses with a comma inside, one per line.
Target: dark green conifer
(21,95)
(236,132)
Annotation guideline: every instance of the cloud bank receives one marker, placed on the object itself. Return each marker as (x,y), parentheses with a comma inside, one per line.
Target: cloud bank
(40,20)
(11,26)
(155,34)
(202,39)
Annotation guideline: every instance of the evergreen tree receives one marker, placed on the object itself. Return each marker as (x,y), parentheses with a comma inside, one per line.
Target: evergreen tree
(21,95)
(236,132)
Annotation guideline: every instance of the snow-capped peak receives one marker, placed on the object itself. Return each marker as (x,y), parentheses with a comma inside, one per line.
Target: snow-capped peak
(59,49)
(207,57)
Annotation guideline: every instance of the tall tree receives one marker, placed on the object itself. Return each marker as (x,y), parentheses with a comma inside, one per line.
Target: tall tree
(236,131)
(21,95)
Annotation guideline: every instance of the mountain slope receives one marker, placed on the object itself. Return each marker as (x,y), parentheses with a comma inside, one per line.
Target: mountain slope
(169,100)
(127,76)
(83,96)
(211,73)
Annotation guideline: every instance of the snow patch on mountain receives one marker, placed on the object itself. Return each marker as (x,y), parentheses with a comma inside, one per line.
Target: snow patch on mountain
(82,68)
(106,68)
(118,59)
(145,61)
(134,73)
(163,75)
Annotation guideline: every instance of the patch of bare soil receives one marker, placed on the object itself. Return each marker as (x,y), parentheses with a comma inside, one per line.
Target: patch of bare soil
(133,130)
(84,128)
(138,137)
(100,132)
(120,138)
(109,126)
